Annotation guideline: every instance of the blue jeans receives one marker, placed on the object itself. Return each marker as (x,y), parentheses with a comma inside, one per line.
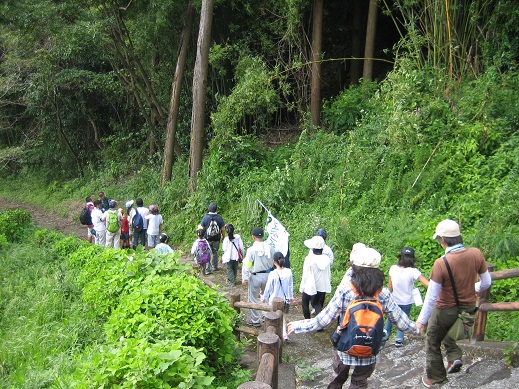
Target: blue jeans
(389,326)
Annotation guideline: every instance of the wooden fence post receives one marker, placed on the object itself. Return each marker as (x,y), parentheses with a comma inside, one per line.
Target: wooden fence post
(268,343)
(481,318)
(233,298)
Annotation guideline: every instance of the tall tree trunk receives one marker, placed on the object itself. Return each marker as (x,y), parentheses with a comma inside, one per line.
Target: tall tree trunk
(171,147)
(317,39)
(199,91)
(369,49)
(356,43)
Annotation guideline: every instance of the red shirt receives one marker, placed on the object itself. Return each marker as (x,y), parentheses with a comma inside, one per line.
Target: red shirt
(126,225)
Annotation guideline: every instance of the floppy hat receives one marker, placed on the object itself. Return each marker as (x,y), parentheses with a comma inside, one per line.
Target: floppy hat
(447,228)
(356,247)
(407,252)
(316,242)
(366,257)
(257,232)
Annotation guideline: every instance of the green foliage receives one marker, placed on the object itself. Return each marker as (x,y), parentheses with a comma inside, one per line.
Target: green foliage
(177,307)
(510,354)
(142,363)
(14,225)
(343,113)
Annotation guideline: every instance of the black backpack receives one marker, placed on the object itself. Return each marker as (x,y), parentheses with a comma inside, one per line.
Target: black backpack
(85,216)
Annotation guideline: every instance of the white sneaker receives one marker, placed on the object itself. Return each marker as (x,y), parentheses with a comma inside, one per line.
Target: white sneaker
(312,312)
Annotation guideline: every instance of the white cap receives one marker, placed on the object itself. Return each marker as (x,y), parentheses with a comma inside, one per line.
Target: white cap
(366,257)
(447,228)
(129,203)
(317,242)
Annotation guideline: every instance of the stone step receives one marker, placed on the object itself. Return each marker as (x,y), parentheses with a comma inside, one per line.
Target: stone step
(403,368)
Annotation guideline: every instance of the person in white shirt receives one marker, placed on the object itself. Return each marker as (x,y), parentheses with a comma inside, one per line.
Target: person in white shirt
(154,226)
(401,284)
(99,224)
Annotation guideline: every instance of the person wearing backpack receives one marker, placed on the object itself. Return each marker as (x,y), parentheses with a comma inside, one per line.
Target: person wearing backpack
(214,232)
(366,284)
(113,221)
(233,251)
(201,251)
(140,224)
(86,218)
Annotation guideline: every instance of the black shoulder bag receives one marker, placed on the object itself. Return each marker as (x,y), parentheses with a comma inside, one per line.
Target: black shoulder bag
(463,327)
(286,306)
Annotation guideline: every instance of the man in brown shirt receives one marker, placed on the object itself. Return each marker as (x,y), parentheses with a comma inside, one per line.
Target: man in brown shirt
(439,311)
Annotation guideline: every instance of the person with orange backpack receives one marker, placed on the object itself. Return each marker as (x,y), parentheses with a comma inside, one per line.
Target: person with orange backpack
(361,306)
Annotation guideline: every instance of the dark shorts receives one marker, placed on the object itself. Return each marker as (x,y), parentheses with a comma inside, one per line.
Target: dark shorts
(125,235)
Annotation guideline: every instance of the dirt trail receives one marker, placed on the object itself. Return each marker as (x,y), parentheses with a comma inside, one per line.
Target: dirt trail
(48,219)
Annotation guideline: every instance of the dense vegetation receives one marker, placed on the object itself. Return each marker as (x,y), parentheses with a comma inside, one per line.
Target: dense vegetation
(77,315)
(436,137)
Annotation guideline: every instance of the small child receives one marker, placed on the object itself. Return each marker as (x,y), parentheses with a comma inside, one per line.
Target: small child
(280,283)
(233,253)
(163,247)
(201,251)
(401,283)
(125,230)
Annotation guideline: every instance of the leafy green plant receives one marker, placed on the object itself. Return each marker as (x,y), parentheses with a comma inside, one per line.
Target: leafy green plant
(510,354)
(307,373)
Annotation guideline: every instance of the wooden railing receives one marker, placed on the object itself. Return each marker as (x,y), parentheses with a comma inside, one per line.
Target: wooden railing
(270,347)
(485,306)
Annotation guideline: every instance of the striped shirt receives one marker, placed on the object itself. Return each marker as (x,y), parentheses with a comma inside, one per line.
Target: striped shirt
(337,306)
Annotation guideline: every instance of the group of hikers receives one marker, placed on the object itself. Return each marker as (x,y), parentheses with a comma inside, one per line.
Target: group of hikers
(449,305)
(448,309)
(128,227)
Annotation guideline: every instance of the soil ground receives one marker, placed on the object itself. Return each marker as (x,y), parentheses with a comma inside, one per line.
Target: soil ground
(307,358)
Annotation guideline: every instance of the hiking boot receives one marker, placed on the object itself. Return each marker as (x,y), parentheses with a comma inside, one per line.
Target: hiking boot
(454,366)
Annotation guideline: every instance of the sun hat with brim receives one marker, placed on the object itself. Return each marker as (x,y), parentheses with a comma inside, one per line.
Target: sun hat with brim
(367,257)
(316,242)
(129,203)
(356,247)
(447,228)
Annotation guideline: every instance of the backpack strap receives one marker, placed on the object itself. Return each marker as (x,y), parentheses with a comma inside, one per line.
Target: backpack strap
(452,281)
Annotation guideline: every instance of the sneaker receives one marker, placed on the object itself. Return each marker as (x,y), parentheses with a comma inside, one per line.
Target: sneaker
(208,272)
(454,367)
(285,338)
(312,312)
(399,343)
(251,323)
(426,382)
